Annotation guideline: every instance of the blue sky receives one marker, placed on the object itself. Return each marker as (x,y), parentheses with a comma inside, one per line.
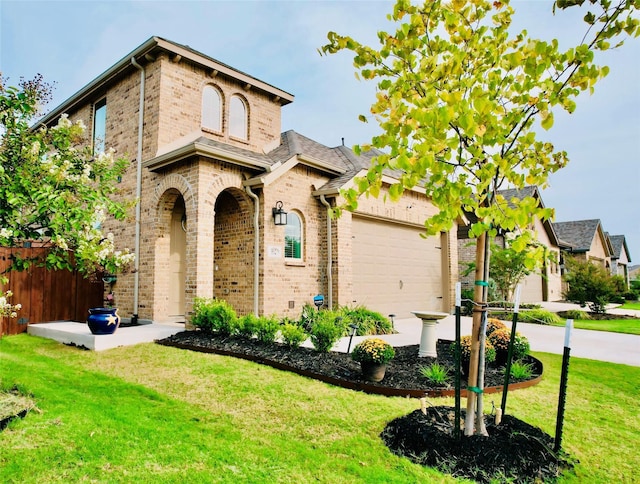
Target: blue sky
(72,42)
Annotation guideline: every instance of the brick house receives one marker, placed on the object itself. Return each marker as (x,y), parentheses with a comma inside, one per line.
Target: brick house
(585,240)
(620,257)
(212,172)
(543,285)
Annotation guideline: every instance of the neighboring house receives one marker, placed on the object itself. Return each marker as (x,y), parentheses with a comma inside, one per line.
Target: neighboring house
(585,240)
(634,272)
(620,257)
(213,174)
(542,285)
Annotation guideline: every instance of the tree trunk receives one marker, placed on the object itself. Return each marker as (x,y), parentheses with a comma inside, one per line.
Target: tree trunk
(478,310)
(480,427)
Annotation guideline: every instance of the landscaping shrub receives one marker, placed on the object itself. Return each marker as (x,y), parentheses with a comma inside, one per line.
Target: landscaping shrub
(435,373)
(308,317)
(373,350)
(292,335)
(521,371)
(576,314)
(539,316)
(588,283)
(369,322)
(467,302)
(521,347)
(494,324)
(325,331)
(500,339)
(465,350)
(267,329)
(214,315)
(248,326)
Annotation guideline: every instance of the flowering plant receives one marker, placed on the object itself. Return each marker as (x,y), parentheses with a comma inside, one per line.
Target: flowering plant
(6,308)
(373,350)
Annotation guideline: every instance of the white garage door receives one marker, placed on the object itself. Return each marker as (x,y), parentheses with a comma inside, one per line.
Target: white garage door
(395,270)
(531,290)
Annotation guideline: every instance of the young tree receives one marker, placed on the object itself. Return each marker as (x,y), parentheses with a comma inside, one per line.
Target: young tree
(53,189)
(458,97)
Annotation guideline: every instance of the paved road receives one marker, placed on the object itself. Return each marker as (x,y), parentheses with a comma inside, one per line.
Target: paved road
(595,345)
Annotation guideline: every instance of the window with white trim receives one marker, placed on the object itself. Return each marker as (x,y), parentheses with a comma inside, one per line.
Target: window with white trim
(293,237)
(238,118)
(211,109)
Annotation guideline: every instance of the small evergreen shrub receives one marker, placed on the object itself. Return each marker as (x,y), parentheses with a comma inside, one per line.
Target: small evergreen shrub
(214,315)
(248,326)
(325,331)
(466,308)
(292,335)
(308,317)
(435,373)
(267,329)
(539,316)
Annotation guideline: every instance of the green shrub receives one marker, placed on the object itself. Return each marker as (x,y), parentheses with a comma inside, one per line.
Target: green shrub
(467,302)
(576,314)
(267,329)
(308,317)
(248,326)
(292,335)
(539,316)
(214,315)
(588,283)
(435,373)
(521,371)
(368,322)
(325,331)
(521,347)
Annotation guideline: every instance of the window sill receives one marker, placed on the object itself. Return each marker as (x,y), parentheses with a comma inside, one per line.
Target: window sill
(294,263)
(244,141)
(212,131)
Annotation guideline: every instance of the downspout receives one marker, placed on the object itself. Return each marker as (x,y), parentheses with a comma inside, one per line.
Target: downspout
(329,253)
(136,274)
(256,250)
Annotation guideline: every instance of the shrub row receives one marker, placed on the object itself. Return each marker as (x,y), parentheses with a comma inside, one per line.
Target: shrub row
(324,328)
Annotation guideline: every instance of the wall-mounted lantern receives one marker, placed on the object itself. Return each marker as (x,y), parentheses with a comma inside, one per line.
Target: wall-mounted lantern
(279,215)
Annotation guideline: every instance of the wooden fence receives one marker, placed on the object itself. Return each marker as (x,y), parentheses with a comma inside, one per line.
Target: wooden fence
(47,295)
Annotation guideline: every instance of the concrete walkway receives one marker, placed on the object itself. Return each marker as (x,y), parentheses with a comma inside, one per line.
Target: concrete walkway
(595,345)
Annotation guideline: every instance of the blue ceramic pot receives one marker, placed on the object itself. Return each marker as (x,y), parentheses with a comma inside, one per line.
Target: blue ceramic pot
(103,320)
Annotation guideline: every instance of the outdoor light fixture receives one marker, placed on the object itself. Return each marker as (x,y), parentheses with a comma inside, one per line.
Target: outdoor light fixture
(353,329)
(279,215)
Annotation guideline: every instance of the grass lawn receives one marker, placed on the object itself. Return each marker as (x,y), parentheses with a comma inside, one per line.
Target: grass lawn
(627,326)
(150,413)
(631,305)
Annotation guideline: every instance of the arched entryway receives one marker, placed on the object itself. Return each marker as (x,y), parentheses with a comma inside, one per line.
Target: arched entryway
(177,261)
(233,250)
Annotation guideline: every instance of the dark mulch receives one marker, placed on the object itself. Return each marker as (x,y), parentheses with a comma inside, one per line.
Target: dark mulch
(514,448)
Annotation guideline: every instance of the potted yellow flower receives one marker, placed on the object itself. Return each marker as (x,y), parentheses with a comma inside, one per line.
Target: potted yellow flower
(373,355)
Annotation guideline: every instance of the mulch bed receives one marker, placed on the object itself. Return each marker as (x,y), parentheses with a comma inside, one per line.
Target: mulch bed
(513,451)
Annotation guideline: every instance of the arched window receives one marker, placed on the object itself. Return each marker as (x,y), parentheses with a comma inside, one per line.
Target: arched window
(238,118)
(211,109)
(293,237)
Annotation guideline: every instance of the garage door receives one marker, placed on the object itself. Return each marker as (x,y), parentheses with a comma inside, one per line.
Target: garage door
(531,290)
(395,270)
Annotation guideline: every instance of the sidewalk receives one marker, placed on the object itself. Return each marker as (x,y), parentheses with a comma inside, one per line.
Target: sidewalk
(595,345)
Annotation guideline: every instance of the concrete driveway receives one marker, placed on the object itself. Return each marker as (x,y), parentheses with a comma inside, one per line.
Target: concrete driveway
(595,345)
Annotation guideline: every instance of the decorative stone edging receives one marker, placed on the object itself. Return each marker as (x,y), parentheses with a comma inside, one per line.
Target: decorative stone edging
(363,386)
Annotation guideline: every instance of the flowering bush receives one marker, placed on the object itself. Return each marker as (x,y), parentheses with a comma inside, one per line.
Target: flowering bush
(373,350)
(500,339)
(6,308)
(494,324)
(465,349)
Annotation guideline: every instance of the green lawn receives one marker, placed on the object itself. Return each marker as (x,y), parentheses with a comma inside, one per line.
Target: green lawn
(627,326)
(150,413)
(631,305)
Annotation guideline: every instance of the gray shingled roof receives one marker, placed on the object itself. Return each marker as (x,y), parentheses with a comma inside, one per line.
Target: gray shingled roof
(619,242)
(579,234)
